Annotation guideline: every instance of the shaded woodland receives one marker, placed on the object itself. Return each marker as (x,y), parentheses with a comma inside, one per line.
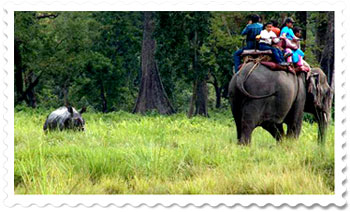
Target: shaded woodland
(143,61)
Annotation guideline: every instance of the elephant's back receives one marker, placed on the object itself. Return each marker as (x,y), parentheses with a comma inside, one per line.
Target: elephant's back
(259,80)
(263,81)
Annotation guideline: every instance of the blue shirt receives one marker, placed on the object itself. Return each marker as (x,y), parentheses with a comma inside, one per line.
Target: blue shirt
(288,31)
(252,30)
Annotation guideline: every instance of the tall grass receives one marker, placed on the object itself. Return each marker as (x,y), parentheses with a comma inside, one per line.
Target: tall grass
(123,153)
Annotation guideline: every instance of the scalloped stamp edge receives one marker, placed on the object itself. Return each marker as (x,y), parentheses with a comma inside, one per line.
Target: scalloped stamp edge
(12,200)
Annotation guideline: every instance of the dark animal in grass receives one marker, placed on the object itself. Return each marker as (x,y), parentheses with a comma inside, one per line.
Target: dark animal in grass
(269,98)
(65,117)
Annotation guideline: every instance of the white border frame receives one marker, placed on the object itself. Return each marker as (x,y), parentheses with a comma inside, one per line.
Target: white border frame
(182,200)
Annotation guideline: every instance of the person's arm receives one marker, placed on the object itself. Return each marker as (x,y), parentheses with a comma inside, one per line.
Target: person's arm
(292,35)
(263,35)
(245,30)
(273,34)
(283,32)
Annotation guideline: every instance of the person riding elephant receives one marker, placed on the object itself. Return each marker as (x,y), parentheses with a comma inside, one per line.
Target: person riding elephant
(265,43)
(253,29)
(287,32)
(261,97)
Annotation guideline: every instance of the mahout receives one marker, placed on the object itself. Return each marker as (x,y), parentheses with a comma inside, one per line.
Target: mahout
(268,98)
(66,117)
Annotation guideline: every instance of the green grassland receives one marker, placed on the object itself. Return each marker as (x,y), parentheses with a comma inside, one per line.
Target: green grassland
(123,153)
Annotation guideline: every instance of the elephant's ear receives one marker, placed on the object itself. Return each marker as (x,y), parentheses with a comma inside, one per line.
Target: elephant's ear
(70,109)
(83,110)
(314,88)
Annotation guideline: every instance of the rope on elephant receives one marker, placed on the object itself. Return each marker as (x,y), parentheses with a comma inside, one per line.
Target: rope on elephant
(256,61)
(241,82)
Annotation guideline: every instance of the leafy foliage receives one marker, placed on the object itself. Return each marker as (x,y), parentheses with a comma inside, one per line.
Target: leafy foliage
(94,58)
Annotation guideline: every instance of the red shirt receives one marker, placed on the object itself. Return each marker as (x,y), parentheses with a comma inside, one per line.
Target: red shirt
(276,30)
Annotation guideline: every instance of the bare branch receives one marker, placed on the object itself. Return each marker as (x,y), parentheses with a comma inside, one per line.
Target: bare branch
(52,16)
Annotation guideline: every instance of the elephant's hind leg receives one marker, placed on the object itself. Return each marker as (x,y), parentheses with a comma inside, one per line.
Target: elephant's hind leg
(247,127)
(238,119)
(276,130)
(251,115)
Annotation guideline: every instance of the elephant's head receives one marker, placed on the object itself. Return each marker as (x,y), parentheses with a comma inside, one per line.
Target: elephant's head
(319,100)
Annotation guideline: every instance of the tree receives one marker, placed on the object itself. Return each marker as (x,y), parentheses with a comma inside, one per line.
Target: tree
(301,17)
(325,42)
(95,58)
(152,95)
(181,35)
(199,30)
(26,78)
(96,83)
(216,53)
(327,59)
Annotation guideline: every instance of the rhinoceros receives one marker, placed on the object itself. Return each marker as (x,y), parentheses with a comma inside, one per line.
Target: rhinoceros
(65,117)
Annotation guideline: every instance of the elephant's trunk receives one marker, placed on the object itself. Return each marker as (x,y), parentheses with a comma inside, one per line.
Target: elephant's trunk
(323,121)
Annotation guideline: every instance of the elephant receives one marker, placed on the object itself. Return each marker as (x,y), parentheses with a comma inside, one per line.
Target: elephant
(268,98)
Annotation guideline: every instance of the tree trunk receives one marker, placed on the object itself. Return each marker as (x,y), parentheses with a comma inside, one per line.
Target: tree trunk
(327,61)
(321,32)
(200,90)
(151,95)
(202,98)
(199,100)
(325,41)
(18,72)
(29,96)
(302,19)
(218,90)
(193,99)
(103,97)
(218,97)
(31,100)
(225,90)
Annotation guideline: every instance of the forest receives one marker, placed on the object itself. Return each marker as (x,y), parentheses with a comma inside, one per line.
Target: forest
(94,59)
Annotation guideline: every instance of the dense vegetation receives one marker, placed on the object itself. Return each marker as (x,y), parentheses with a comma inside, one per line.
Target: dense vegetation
(94,58)
(124,153)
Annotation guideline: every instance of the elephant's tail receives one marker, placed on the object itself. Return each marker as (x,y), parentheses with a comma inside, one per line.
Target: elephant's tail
(242,78)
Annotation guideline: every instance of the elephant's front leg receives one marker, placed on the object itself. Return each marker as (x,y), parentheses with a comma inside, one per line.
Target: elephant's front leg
(293,131)
(294,118)
(294,121)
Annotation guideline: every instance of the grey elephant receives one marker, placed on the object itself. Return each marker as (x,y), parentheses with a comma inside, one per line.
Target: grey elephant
(65,117)
(268,98)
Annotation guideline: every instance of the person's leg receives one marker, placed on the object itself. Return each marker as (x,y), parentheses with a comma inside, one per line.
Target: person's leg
(275,52)
(276,55)
(288,51)
(299,55)
(264,47)
(280,54)
(295,57)
(300,62)
(237,58)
